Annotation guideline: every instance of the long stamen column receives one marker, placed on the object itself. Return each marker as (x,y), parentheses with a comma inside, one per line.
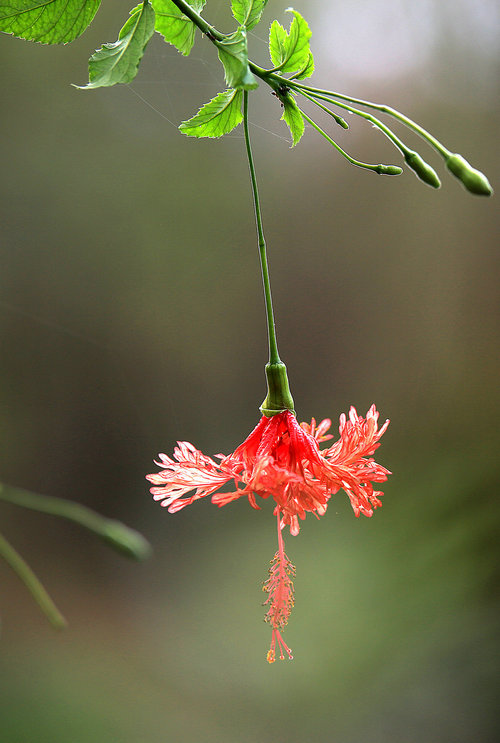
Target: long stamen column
(280,590)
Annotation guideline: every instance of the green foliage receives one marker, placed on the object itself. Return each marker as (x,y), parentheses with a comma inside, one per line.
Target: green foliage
(47,21)
(306,71)
(217,117)
(290,51)
(277,41)
(248,12)
(175,27)
(61,21)
(293,117)
(233,54)
(119,62)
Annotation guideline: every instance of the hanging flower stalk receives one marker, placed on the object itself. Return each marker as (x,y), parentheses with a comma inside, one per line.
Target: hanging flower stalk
(280,459)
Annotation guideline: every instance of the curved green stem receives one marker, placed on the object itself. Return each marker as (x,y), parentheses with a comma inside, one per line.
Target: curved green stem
(338,119)
(27,576)
(421,169)
(331,96)
(380,169)
(368,117)
(274,357)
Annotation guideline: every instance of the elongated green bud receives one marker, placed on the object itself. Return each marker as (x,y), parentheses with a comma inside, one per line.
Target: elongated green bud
(278,397)
(422,169)
(388,169)
(340,120)
(473,180)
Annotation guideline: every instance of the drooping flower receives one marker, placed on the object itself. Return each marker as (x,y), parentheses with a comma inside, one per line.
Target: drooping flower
(281,459)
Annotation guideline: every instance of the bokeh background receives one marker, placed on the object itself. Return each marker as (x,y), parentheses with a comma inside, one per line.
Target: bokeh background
(131,316)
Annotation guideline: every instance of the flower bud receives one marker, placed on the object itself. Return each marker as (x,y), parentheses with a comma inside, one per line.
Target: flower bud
(340,120)
(473,180)
(422,169)
(388,169)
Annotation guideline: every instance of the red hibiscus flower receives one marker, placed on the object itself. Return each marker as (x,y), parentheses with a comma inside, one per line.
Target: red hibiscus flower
(281,459)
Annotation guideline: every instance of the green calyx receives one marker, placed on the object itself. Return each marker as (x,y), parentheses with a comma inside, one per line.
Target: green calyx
(279,397)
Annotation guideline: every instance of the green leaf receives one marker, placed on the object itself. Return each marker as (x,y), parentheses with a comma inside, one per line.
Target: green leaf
(220,116)
(306,71)
(290,51)
(175,27)
(248,12)
(119,62)
(47,21)
(277,41)
(293,117)
(233,54)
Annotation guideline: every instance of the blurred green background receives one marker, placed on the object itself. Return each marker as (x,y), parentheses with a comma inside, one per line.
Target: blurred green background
(131,316)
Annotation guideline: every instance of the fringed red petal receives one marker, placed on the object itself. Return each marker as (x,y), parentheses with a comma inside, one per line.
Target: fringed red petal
(282,459)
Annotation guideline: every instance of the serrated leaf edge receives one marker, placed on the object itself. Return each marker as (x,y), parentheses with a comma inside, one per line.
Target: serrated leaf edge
(139,11)
(235,93)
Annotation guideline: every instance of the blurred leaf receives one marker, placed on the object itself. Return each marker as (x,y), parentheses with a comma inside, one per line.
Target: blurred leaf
(175,27)
(248,12)
(233,54)
(290,51)
(217,117)
(123,539)
(47,21)
(119,62)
